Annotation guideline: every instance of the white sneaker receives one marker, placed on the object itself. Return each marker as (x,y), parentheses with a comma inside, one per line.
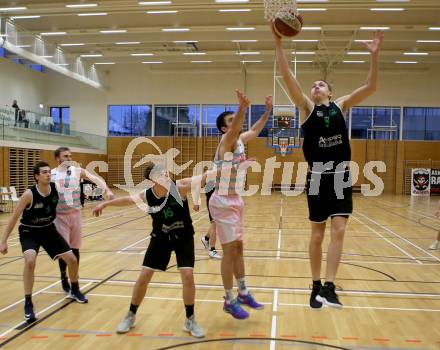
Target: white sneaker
(193,328)
(127,323)
(205,242)
(213,254)
(434,246)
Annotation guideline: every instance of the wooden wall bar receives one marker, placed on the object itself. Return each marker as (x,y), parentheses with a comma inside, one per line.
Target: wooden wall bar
(393,153)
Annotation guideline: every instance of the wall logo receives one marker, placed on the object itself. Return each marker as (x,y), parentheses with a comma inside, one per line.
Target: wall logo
(420,184)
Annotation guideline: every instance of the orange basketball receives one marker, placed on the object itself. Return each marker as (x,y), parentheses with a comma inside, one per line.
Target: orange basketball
(287,26)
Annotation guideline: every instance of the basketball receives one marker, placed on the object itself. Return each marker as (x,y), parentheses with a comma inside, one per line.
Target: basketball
(288,25)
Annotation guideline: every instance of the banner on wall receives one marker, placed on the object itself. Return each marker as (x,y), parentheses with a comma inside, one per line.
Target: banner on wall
(435,181)
(420,183)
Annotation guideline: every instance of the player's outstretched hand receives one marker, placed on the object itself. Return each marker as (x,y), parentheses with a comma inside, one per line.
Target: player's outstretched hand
(275,35)
(4,248)
(375,44)
(97,211)
(243,100)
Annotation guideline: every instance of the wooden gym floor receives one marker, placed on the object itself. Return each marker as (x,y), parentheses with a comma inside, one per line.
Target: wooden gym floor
(389,281)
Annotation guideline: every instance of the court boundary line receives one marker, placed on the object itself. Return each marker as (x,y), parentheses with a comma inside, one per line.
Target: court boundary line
(402,238)
(387,240)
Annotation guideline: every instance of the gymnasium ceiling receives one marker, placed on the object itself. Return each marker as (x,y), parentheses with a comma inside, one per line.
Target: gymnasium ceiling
(331,35)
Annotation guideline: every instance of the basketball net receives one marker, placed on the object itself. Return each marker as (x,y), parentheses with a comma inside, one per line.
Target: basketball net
(279,9)
(283,148)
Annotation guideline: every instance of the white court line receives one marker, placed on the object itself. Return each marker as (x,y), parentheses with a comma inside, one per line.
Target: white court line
(305,260)
(217,301)
(370,308)
(388,241)
(402,238)
(33,294)
(271,289)
(40,312)
(133,244)
(273,330)
(274,305)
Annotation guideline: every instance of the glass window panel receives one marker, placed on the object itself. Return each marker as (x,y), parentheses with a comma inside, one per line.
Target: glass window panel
(119,120)
(414,123)
(210,113)
(126,120)
(165,116)
(141,117)
(432,124)
(256,112)
(65,118)
(190,114)
(361,121)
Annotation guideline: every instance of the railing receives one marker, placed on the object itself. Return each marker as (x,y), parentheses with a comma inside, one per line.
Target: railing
(40,129)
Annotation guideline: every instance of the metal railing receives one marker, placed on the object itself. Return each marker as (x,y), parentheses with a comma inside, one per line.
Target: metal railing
(33,127)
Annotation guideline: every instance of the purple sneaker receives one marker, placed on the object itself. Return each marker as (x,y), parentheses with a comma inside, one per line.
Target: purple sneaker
(235,310)
(249,301)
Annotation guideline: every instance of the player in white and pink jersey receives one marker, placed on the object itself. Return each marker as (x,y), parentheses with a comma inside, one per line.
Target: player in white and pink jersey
(226,204)
(67,177)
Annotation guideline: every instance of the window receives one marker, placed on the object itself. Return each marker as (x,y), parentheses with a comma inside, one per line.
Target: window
(432,124)
(256,112)
(61,119)
(360,122)
(127,120)
(421,123)
(375,123)
(386,121)
(211,112)
(166,117)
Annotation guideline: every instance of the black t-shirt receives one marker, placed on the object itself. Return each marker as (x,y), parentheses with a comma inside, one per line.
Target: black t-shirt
(172,218)
(326,136)
(42,211)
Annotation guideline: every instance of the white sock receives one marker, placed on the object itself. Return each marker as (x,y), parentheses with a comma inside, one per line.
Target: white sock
(242,286)
(229,295)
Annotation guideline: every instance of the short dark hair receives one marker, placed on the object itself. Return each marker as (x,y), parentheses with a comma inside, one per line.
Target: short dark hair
(59,150)
(37,167)
(149,166)
(221,120)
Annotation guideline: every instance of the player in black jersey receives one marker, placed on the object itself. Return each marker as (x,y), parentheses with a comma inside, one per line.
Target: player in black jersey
(327,150)
(37,210)
(172,231)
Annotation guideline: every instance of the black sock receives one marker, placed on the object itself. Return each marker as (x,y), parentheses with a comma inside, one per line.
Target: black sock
(329,284)
(207,238)
(28,299)
(134,308)
(75,287)
(189,309)
(212,248)
(317,283)
(63,268)
(76,253)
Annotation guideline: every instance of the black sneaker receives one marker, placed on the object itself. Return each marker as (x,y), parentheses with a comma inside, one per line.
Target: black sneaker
(315,304)
(328,296)
(65,284)
(29,314)
(78,297)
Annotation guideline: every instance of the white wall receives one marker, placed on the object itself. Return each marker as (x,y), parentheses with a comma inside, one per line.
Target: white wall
(88,106)
(23,84)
